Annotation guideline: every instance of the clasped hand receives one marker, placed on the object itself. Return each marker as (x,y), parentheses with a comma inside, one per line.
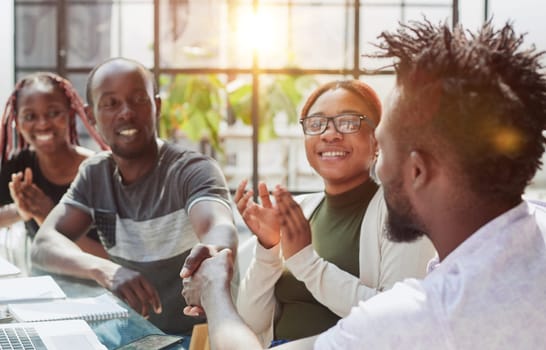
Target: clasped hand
(204,270)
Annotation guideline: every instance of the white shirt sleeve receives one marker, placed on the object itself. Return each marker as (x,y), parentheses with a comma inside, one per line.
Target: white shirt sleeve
(256,301)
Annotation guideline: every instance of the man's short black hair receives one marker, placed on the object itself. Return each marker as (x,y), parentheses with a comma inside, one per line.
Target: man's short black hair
(479,98)
(148,74)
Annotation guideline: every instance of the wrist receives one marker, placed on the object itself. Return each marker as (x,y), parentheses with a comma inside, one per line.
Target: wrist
(215,292)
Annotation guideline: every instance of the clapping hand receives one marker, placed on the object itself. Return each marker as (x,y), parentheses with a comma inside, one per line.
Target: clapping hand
(31,201)
(260,219)
(295,229)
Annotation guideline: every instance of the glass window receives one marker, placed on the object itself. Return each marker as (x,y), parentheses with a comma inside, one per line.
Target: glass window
(88,37)
(195,34)
(322,36)
(36,36)
(209,46)
(136,31)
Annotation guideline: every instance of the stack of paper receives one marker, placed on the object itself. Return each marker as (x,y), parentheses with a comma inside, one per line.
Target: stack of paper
(21,289)
(7,268)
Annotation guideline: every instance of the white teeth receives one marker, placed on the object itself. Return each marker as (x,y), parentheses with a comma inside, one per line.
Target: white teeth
(44,137)
(128,132)
(334,154)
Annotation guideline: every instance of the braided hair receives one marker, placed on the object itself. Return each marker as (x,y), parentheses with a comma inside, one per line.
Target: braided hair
(12,142)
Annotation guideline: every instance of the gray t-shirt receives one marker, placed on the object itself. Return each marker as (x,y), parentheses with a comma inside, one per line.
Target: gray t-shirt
(145,225)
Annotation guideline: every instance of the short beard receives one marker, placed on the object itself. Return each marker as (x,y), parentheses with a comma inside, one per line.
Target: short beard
(400,225)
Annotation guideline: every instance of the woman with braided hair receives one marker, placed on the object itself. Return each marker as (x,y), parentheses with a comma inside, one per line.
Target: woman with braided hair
(40,152)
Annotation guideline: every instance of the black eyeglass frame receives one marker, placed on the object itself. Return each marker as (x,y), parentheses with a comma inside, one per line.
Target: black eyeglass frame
(360,116)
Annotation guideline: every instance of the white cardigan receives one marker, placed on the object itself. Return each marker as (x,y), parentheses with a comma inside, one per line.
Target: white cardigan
(382,263)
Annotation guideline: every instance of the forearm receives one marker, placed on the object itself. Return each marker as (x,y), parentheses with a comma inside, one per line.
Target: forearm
(336,289)
(256,300)
(91,246)
(58,254)
(8,215)
(226,329)
(222,236)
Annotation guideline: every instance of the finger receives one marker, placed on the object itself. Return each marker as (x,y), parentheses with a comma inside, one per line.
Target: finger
(240,190)
(293,214)
(198,253)
(16,180)
(150,296)
(245,201)
(263,192)
(127,295)
(135,289)
(28,176)
(193,311)
(286,208)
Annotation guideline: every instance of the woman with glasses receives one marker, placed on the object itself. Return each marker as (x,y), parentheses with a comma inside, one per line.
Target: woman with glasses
(302,286)
(39,152)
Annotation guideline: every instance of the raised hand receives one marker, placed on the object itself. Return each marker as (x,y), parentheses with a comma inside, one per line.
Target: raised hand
(260,219)
(131,287)
(31,201)
(295,229)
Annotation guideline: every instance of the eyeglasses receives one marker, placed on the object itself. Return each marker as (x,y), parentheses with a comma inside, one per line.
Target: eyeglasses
(345,123)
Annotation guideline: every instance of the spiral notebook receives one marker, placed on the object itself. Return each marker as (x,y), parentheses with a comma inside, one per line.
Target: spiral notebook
(99,308)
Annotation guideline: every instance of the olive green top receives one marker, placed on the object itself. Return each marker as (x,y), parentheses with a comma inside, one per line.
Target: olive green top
(335,223)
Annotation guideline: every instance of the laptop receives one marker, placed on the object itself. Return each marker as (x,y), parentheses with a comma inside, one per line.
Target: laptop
(51,335)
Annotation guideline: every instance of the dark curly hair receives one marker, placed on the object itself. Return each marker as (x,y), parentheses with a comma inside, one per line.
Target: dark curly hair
(476,98)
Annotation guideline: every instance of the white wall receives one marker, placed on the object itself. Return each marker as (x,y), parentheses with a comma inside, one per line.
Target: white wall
(6,57)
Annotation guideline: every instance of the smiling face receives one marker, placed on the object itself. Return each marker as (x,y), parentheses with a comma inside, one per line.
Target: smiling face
(43,113)
(125,109)
(342,160)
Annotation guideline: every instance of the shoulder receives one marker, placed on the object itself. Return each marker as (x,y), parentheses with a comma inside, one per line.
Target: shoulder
(18,162)
(84,152)
(98,162)
(172,153)
(403,310)
(176,159)
(25,156)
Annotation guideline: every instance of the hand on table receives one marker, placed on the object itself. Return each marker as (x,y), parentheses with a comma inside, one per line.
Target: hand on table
(31,201)
(260,219)
(295,229)
(214,272)
(133,288)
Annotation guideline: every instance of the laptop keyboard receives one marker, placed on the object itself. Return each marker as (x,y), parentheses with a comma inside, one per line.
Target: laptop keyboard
(20,338)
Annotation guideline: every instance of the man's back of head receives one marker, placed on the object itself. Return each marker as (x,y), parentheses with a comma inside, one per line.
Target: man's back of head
(477,100)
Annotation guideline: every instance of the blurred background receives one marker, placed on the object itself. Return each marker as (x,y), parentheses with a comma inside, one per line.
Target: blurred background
(233,74)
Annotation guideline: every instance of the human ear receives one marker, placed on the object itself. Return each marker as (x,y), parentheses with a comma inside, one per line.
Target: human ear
(420,169)
(157,101)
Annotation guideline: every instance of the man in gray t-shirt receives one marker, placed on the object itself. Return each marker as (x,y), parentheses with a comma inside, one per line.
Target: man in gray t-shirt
(150,202)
